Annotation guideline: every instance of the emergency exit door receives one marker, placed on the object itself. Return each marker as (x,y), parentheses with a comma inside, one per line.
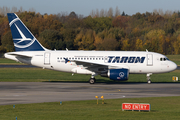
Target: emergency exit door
(149,59)
(47,58)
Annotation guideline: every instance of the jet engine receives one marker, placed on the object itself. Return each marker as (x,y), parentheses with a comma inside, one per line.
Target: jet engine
(117,74)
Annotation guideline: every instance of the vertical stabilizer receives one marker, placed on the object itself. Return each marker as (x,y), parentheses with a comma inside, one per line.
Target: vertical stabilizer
(23,39)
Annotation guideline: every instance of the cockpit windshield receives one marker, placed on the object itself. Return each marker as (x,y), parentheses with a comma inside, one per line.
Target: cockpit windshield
(164,59)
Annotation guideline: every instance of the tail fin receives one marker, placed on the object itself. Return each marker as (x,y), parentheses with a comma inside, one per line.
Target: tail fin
(23,39)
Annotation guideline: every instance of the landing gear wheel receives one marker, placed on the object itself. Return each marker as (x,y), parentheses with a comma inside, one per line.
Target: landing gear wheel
(149,81)
(92,80)
(148,78)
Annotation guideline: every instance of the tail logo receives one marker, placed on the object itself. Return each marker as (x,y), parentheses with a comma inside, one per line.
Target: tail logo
(22,42)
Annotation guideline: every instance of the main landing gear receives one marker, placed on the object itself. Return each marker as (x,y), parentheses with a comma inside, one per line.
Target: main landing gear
(148,78)
(92,80)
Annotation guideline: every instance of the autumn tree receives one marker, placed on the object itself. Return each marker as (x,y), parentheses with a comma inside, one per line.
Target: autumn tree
(97,24)
(156,31)
(120,21)
(155,40)
(69,35)
(108,39)
(7,42)
(85,39)
(139,45)
(126,44)
(98,43)
(52,39)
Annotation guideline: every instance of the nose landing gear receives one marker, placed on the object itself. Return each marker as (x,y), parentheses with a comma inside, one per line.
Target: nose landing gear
(148,78)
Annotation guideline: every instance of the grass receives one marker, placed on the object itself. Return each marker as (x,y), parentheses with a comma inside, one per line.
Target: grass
(8,61)
(174,58)
(44,75)
(163,108)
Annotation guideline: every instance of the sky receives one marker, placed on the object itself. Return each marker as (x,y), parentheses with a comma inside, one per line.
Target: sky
(84,7)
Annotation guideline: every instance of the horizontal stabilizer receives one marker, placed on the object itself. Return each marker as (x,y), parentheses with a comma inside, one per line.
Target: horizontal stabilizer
(18,54)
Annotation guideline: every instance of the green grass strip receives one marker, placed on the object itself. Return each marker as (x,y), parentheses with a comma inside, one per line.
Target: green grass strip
(44,75)
(162,108)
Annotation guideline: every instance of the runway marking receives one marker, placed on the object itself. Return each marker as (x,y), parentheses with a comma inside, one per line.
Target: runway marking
(117,91)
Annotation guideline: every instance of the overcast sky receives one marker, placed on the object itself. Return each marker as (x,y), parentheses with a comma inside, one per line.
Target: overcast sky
(84,7)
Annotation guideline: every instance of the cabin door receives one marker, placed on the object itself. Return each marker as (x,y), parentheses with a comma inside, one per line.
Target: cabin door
(47,58)
(149,59)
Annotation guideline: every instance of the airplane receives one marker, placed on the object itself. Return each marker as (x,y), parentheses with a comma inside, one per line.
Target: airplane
(117,65)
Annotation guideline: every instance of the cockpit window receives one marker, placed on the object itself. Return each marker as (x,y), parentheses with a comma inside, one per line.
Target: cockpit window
(163,59)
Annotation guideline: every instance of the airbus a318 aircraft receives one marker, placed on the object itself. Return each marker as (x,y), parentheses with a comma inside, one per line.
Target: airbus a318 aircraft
(117,65)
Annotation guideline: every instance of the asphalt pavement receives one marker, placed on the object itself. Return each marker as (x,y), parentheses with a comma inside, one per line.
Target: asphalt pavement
(39,92)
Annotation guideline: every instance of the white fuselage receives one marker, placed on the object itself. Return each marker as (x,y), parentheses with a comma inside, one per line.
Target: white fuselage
(134,61)
(113,64)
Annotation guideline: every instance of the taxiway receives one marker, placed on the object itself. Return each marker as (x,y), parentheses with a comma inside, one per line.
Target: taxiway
(39,92)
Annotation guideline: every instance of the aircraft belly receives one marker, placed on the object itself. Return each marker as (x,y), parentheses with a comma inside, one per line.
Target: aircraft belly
(63,67)
(136,69)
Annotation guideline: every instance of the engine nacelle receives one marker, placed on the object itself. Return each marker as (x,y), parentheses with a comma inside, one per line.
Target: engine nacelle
(117,74)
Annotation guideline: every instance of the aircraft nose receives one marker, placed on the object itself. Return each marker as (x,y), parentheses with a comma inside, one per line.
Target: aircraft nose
(173,66)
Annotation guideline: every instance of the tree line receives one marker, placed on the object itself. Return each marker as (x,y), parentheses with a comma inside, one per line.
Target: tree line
(155,31)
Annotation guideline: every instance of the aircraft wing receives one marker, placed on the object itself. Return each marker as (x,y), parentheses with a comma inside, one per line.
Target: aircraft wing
(92,66)
(96,67)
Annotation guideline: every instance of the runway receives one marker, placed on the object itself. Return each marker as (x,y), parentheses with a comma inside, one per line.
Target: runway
(39,92)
